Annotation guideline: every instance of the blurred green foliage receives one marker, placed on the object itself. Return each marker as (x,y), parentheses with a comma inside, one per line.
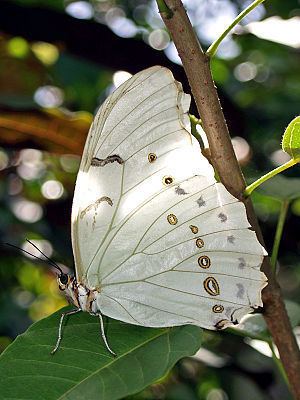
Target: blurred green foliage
(259,84)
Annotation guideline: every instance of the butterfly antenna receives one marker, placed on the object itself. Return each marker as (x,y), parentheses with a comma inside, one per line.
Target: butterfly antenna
(48,260)
(53,263)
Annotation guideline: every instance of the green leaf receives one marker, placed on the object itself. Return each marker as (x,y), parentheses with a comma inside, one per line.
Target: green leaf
(82,368)
(281,188)
(291,138)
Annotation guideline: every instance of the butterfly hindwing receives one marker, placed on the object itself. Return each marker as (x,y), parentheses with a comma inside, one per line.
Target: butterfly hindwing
(152,230)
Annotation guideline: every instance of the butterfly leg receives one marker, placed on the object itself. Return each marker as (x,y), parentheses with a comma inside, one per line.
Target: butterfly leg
(77,310)
(103,333)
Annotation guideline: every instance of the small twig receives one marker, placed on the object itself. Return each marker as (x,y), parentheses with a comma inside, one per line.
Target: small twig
(211,51)
(194,122)
(197,69)
(279,229)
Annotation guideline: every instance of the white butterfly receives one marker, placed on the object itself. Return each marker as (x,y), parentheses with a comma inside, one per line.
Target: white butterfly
(157,241)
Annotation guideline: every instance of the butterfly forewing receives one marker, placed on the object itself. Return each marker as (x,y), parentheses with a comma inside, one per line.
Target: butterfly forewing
(152,230)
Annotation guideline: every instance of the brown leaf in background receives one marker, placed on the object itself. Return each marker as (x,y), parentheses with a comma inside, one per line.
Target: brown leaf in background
(51,130)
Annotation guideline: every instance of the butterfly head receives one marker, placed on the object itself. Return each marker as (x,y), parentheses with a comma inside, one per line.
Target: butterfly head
(68,284)
(64,281)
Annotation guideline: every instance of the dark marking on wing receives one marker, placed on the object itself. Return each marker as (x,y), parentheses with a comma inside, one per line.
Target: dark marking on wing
(180,191)
(98,162)
(95,205)
(221,324)
(242,263)
(231,239)
(241,290)
(258,310)
(200,202)
(234,320)
(222,217)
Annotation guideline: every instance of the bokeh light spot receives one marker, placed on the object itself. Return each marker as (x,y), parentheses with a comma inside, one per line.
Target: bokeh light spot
(209,25)
(27,211)
(120,77)
(245,71)
(44,245)
(47,53)
(69,162)
(80,10)
(242,149)
(31,165)
(159,39)
(30,155)
(119,24)
(49,96)
(52,189)
(140,13)
(228,49)
(17,47)
(15,185)
(279,157)
(172,54)
(30,172)
(255,15)
(23,298)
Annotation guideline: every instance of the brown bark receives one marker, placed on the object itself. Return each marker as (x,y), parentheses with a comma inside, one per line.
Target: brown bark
(197,68)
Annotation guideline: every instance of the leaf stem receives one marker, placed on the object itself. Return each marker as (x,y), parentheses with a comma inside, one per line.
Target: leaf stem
(278,363)
(279,229)
(164,9)
(249,189)
(211,51)
(194,122)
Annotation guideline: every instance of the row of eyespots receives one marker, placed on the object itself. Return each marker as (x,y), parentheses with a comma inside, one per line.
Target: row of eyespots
(167,180)
(210,284)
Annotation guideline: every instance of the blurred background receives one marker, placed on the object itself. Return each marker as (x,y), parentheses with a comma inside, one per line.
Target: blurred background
(58,62)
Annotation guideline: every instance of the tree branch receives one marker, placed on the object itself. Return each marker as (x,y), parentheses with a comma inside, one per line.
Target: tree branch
(196,65)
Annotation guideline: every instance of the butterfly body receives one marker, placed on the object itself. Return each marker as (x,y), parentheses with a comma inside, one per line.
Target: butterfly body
(157,241)
(79,295)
